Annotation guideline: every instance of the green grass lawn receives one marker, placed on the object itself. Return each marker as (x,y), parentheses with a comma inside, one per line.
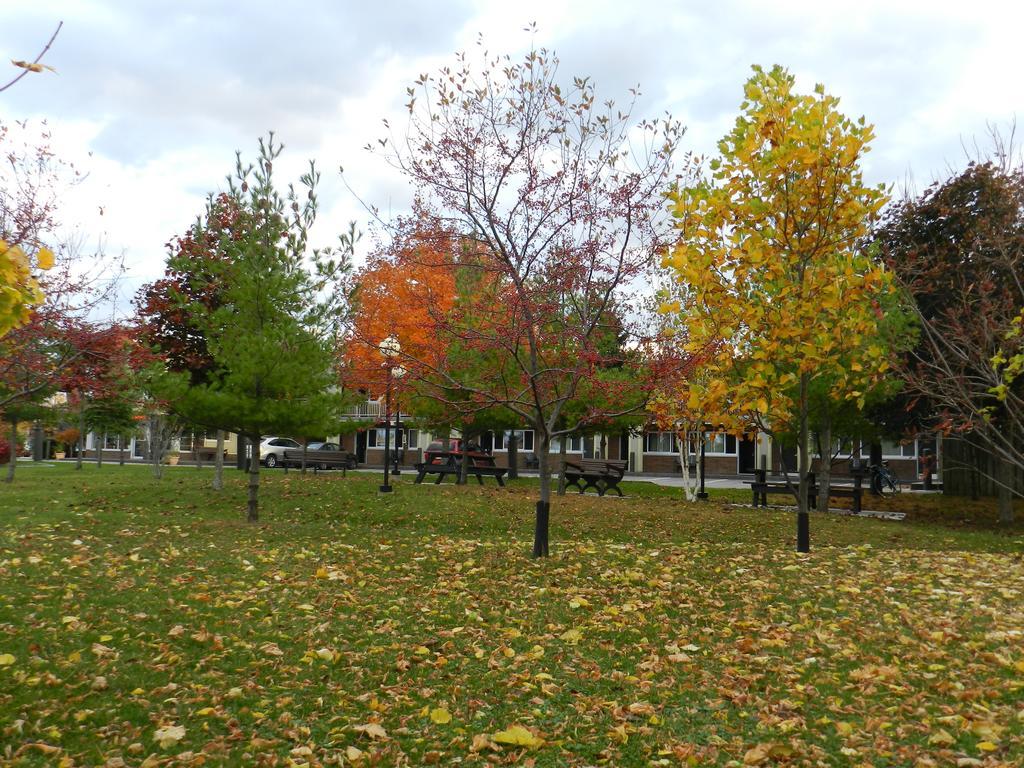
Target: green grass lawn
(145,623)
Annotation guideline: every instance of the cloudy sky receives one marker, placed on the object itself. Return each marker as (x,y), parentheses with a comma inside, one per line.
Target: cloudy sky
(153,97)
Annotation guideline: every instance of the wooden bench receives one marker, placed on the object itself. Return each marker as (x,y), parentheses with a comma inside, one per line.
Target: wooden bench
(320,459)
(600,474)
(206,454)
(761,488)
(449,463)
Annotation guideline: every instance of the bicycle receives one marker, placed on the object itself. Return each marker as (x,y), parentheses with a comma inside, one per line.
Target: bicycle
(884,480)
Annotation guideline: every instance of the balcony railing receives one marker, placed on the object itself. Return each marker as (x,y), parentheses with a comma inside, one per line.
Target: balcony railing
(369,409)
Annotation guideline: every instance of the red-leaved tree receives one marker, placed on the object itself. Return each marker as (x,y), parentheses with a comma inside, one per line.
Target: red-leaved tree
(557,201)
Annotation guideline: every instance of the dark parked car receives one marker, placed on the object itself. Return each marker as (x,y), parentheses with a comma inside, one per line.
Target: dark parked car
(312,448)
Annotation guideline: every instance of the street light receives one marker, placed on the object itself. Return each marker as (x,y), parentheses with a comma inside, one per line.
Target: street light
(396,373)
(390,349)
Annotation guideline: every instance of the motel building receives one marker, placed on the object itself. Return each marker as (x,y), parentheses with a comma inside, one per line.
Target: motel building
(650,452)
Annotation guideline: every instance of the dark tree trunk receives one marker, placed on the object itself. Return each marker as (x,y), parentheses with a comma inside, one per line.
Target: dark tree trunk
(563,443)
(197,450)
(305,450)
(875,454)
(803,520)
(513,457)
(1006,478)
(218,462)
(543,520)
(156,446)
(825,467)
(81,436)
(14,452)
(99,450)
(254,481)
(464,459)
(120,450)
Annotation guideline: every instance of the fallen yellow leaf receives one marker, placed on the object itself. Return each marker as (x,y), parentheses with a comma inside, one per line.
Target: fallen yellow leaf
(517,736)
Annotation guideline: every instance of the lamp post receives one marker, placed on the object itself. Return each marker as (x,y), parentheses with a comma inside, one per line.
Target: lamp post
(390,349)
(396,373)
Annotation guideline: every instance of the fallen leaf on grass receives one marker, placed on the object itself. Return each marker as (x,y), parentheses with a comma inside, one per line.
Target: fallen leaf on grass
(169,735)
(373,730)
(517,736)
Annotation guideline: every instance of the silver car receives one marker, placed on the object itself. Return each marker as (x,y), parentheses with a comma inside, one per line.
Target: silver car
(272,450)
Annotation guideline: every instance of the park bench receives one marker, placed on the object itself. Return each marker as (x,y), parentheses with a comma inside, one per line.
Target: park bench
(762,488)
(318,460)
(449,463)
(600,474)
(206,454)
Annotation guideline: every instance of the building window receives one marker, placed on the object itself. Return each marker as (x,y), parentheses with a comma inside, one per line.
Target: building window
(895,450)
(111,442)
(842,447)
(574,444)
(524,440)
(375,438)
(412,438)
(660,442)
(191,440)
(720,444)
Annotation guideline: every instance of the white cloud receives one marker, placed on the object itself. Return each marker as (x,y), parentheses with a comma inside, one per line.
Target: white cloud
(162,92)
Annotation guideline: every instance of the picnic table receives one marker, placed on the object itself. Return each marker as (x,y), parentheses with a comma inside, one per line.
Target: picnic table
(444,463)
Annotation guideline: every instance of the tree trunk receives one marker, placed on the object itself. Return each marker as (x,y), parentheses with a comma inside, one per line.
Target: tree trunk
(99,450)
(254,481)
(197,453)
(825,466)
(803,521)
(81,435)
(218,462)
(14,452)
(513,456)
(1005,469)
(543,519)
(156,446)
(120,450)
(689,484)
(305,449)
(563,443)
(464,462)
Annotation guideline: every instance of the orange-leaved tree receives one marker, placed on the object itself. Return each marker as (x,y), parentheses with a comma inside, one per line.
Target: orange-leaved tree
(404,292)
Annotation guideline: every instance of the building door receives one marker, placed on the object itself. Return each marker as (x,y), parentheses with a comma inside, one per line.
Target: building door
(361,446)
(789,458)
(747,455)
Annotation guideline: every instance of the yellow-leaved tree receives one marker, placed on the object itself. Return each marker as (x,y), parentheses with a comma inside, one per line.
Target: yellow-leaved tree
(774,279)
(19,290)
